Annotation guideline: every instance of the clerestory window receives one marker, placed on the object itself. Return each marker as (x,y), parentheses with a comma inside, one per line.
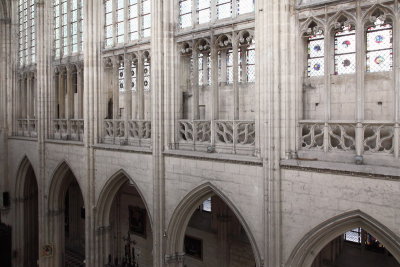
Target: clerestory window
(126,21)
(67,27)
(27,32)
(379,47)
(205,11)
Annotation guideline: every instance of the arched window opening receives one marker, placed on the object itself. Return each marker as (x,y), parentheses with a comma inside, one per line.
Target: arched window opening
(356,247)
(214,236)
(27,32)
(247,59)
(316,51)
(379,46)
(130,238)
(126,21)
(345,49)
(67,27)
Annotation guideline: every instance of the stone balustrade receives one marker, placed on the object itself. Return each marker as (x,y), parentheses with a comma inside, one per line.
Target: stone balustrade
(225,136)
(364,138)
(131,133)
(68,129)
(27,128)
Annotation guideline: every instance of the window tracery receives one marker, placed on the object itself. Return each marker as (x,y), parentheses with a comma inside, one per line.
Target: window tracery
(199,12)
(67,27)
(126,21)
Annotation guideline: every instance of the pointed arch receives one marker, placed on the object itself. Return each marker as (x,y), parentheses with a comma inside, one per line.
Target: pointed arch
(378,7)
(109,191)
(310,245)
(183,212)
(60,180)
(306,24)
(22,171)
(333,20)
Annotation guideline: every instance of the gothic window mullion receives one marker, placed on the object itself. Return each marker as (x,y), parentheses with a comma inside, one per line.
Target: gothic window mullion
(114,21)
(126,21)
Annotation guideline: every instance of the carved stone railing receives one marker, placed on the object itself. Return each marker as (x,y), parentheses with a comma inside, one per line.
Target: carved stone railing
(237,137)
(132,132)
(27,128)
(68,129)
(196,131)
(77,129)
(361,138)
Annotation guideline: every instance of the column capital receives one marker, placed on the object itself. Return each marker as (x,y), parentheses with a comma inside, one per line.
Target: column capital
(79,67)
(107,62)
(70,68)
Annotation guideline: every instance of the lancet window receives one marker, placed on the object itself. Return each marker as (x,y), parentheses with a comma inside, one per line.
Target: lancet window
(193,12)
(379,46)
(27,32)
(316,52)
(345,50)
(67,27)
(126,21)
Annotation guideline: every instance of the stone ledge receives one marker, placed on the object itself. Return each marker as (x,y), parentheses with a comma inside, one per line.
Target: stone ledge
(319,3)
(369,171)
(132,149)
(215,156)
(23,138)
(64,142)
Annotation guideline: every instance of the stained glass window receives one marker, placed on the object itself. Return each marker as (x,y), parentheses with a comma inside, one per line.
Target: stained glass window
(121,77)
(67,27)
(146,73)
(185,9)
(204,11)
(353,235)
(134,76)
(379,47)
(133,16)
(27,32)
(316,54)
(345,51)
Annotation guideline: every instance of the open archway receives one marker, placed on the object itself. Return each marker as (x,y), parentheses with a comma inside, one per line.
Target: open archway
(207,230)
(67,212)
(26,216)
(328,233)
(123,223)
